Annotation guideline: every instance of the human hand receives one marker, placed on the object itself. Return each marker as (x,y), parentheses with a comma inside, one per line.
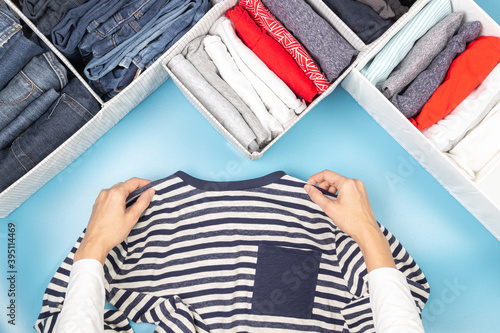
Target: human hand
(111,222)
(351,211)
(353,214)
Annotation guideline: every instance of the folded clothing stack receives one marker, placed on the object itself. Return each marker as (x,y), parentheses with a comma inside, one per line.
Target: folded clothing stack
(446,133)
(327,47)
(39,109)
(383,64)
(253,76)
(480,146)
(114,41)
(446,83)
(466,72)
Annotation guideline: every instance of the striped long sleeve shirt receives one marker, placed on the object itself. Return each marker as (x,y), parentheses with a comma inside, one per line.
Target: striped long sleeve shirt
(253,256)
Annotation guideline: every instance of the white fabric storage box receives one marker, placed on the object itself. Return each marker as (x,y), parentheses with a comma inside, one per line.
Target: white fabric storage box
(203,28)
(319,6)
(110,113)
(144,85)
(482,196)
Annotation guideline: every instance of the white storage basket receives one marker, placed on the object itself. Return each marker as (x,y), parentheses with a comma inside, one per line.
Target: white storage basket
(480,197)
(110,114)
(219,10)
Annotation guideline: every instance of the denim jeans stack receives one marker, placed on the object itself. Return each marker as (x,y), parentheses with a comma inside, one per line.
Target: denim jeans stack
(113,41)
(110,42)
(39,106)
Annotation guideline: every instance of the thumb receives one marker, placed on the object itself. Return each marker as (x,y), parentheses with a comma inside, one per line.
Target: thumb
(319,198)
(140,205)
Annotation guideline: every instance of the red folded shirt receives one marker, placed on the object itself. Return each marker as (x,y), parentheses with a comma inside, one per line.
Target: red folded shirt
(271,53)
(466,72)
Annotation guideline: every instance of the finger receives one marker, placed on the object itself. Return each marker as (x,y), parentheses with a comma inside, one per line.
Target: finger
(324,185)
(133,184)
(117,185)
(140,205)
(327,187)
(331,177)
(332,190)
(318,197)
(317,178)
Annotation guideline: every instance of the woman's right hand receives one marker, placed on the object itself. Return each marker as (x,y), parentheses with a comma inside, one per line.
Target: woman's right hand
(352,213)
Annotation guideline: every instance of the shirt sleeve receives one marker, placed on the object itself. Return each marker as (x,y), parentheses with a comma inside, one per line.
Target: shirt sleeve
(83,308)
(393,307)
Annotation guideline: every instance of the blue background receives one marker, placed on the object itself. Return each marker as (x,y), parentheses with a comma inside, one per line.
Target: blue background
(460,258)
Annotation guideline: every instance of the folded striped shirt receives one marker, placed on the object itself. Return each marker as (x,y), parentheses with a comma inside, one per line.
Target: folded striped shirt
(253,256)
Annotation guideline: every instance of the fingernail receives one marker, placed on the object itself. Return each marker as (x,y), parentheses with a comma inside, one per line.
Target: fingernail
(307,187)
(151,192)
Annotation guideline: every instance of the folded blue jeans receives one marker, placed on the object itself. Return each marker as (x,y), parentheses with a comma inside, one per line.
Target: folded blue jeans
(42,73)
(119,28)
(115,81)
(18,55)
(10,29)
(67,34)
(46,14)
(176,30)
(147,52)
(73,109)
(27,117)
(122,54)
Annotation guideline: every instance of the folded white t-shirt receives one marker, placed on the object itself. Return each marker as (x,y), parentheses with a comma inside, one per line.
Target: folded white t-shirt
(276,95)
(479,146)
(447,132)
(230,73)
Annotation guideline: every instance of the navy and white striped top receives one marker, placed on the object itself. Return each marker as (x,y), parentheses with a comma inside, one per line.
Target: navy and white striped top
(245,256)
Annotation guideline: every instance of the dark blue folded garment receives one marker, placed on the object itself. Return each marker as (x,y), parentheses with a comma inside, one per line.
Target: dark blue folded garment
(360,18)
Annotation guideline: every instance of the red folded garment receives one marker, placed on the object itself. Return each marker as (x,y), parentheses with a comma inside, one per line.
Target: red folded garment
(466,72)
(266,20)
(271,53)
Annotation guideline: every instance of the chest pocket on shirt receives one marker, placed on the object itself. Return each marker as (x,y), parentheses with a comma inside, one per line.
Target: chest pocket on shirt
(285,282)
